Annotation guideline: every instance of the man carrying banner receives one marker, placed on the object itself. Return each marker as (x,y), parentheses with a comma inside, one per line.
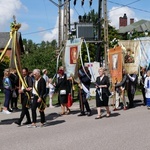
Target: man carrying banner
(121,87)
(131,88)
(25,97)
(85,78)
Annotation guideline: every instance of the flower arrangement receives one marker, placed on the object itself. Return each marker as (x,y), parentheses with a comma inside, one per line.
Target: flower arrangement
(114,42)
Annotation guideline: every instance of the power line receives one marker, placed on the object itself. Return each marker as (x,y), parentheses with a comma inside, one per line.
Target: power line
(122,5)
(39,31)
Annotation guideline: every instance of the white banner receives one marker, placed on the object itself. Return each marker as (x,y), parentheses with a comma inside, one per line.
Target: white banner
(144,51)
(71,55)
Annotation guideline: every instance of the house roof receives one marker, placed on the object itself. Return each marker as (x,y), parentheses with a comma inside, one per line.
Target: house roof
(140,26)
(4,38)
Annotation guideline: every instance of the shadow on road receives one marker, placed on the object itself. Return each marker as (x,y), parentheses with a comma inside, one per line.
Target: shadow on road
(8,121)
(54,123)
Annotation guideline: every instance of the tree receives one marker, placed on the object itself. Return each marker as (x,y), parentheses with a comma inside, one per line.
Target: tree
(40,56)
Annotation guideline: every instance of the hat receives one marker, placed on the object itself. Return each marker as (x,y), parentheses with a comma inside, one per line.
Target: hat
(44,70)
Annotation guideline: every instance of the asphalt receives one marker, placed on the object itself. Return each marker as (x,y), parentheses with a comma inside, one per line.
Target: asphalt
(123,130)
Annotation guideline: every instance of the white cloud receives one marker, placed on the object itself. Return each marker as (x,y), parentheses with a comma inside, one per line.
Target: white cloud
(8,9)
(24,26)
(117,12)
(53,34)
(49,36)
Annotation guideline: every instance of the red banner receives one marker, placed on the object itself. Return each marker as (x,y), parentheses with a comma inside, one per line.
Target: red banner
(115,64)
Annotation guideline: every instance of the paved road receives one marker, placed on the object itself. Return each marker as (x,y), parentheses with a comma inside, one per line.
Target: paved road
(124,130)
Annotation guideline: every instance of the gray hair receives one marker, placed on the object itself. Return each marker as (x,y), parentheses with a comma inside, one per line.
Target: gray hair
(37,71)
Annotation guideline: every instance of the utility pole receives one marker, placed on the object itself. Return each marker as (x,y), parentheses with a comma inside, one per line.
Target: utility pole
(66,20)
(106,46)
(59,5)
(98,50)
(59,25)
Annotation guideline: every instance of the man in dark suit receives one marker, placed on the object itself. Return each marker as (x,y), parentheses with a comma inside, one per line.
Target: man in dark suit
(131,88)
(25,97)
(39,91)
(85,78)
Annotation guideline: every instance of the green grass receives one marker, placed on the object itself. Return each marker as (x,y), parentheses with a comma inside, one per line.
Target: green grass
(55,97)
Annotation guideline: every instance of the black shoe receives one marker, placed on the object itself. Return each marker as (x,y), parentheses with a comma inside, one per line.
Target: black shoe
(10,109)
(82,114)
(16,108)
(27,122)
(16,122)
(89,113)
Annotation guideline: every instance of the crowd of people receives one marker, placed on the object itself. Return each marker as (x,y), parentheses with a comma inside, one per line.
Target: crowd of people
(35,87)
(129,85)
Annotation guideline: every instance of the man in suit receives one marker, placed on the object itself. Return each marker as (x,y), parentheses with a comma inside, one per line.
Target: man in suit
(39,91)
(85,78)
(131,88)
(25,97)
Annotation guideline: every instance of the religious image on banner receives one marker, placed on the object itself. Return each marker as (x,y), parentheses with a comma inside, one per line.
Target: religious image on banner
(131,55)
(115,64)
(73,55)
(114,61)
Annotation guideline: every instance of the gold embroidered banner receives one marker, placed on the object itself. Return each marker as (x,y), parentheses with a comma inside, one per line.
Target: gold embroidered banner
(115,64)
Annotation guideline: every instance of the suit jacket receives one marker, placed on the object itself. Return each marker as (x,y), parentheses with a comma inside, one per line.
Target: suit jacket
(29,82)
(131,85)
(41,87)
(86,80)
(104,81)
(63,84)
(123,82)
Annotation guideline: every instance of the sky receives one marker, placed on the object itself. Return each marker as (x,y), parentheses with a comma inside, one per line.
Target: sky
(39,18)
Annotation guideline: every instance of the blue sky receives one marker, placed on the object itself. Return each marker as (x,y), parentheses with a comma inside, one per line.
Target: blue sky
(38,15)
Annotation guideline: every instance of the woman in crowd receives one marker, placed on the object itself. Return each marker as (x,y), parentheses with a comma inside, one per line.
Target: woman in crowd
(7,91)
(63,91)
(102,92)
(147,89)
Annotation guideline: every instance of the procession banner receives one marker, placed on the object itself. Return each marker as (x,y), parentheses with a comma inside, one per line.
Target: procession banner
(115,64)
(144,51)
(71,55)
(131,55)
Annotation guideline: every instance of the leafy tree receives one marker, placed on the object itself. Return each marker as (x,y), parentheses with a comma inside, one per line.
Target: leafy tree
(40,56)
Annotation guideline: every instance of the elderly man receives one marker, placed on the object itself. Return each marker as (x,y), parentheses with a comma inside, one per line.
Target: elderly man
(39,91)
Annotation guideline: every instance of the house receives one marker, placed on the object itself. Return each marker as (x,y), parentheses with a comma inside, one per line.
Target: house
(4,38)
(139,26)
(134,29)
